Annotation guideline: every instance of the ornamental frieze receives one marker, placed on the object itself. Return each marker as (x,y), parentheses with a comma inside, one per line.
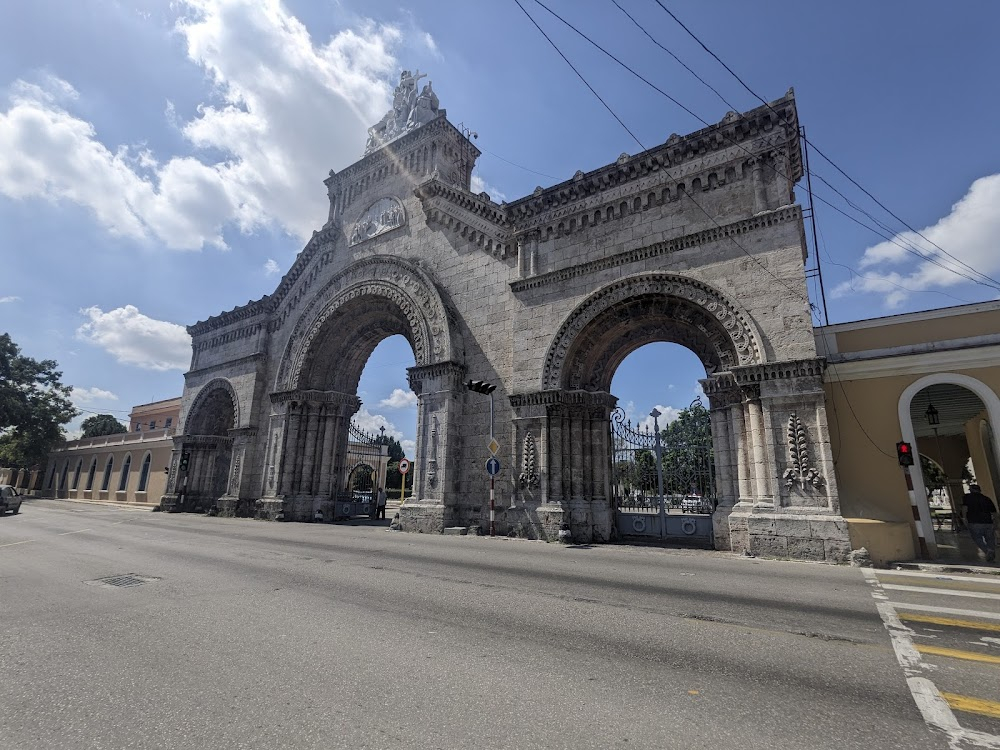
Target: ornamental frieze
(380,217)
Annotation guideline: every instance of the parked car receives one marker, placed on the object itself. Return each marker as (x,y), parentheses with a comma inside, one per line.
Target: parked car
(10,499)
(693,504)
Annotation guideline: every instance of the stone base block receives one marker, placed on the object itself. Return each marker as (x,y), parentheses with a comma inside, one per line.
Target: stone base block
(270,509)
(721,533)
(170,504)
(425,517)
(797,536)
(229,506)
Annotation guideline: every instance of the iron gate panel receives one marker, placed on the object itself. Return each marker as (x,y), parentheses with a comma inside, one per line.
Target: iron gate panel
(364,456)
(662,482)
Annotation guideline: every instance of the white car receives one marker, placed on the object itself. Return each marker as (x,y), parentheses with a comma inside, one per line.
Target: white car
(693,504)
(10,499)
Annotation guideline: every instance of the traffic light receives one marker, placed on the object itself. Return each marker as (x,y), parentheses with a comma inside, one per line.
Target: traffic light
(185,458)
(904,452)
(481,386)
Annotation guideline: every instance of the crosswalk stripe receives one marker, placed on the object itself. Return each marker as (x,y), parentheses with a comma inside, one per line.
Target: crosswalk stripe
(949,622)
(946,610)
(940,592)
(955,653)
(988,579)
(972,705)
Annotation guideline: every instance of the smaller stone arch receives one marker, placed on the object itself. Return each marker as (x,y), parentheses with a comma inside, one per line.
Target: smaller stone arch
(203,414)
(582,354)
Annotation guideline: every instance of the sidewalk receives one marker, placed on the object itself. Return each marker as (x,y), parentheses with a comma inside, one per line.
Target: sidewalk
(110,503)
(941,566)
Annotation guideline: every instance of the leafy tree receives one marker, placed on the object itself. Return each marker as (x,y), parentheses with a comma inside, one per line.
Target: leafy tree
(34,405)
(934,477)
(688,460)
(395,449)
(102,424)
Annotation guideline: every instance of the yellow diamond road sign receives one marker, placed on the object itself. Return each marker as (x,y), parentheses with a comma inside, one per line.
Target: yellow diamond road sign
(494,446)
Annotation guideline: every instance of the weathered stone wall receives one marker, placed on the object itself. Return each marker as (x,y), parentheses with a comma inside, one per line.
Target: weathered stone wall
(699,238)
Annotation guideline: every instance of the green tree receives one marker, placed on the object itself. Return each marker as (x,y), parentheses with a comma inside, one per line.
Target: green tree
(934,477)
(34,405)
(102,424)
(688,462)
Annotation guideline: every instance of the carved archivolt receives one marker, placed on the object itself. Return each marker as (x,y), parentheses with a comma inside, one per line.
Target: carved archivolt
(702,319)
(397,281)
(199,419)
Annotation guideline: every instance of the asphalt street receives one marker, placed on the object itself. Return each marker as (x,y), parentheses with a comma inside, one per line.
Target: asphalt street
(244,634)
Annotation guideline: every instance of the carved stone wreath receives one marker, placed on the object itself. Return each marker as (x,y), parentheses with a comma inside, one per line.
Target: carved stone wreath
(734,332)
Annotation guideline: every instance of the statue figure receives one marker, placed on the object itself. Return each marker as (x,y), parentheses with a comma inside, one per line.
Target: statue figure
(409,111)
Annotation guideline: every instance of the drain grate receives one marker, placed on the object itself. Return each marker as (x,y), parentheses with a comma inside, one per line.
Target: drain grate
(126,580)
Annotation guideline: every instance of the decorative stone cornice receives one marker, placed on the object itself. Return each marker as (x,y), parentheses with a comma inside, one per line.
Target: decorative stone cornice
(557,397)
(226,366)
(781,215)
(316,397)
(451,373)
(787,370)
(775,124)
(473,217)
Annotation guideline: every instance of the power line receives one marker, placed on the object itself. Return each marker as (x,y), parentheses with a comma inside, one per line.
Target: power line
(519,166)
(913,250)
(684,192)
(996,284)
(579,75)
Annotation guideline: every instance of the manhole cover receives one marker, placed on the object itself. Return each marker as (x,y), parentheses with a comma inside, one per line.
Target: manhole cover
(122,581)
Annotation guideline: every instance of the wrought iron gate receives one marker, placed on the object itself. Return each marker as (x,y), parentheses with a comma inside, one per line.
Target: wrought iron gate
(364,459)
(662,484)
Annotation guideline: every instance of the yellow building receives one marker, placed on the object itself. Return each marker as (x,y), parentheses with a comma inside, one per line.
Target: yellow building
(930,379)
(129,467)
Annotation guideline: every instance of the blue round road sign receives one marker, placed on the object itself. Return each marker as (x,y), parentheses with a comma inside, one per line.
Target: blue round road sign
(492,467)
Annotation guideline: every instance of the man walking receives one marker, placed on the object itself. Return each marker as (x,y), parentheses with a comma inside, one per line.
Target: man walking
(380,502)
(979,510)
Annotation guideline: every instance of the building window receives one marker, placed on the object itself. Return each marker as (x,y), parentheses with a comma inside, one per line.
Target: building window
(107,474)
(169,421)
(152,425)
(62,479)
(144,473)
(123,482)
(52,476)
(138,427)
(76,474)
(90,474)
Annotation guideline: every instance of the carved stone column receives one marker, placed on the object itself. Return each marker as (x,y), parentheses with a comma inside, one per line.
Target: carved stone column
(233,502)
(794,510)
(440,393)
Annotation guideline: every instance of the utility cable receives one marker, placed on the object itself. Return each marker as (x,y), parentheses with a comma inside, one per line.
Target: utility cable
(579,75)
(913,250)
(995,283)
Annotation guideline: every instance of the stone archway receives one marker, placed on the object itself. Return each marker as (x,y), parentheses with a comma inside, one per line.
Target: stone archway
(315,392)
(752,402)
(204,475)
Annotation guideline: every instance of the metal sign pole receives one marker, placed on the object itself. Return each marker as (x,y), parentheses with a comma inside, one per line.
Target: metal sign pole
(492,476)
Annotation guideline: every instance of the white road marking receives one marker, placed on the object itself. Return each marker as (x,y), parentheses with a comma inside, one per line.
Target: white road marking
(78,531)
(992,579)
(935,710)
(11,544)
(940,592)
(946,610)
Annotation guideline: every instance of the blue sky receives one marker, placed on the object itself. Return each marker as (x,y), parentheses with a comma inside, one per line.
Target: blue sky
(161,163)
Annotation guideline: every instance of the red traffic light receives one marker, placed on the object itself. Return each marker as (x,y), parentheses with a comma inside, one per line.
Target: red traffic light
(904,453)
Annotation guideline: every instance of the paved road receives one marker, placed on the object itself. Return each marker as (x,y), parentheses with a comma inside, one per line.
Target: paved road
(246,634)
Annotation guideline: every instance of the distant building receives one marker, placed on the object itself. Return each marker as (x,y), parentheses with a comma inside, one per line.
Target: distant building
(129,467)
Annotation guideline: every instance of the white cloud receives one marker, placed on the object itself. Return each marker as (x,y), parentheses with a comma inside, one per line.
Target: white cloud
(285,111)
(271,268)
(479,185)
(968,232)
(371,422)
(409,447)
(11,298)
(667,415)
(431,45)
(399,399)
(90,395)
(135,339)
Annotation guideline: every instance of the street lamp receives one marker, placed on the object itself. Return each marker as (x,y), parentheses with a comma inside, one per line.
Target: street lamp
(932,416)
(482,386)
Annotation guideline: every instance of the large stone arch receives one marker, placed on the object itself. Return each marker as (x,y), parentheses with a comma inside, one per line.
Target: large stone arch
(409,301)
(617,319)
(209,411)
(315,393)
